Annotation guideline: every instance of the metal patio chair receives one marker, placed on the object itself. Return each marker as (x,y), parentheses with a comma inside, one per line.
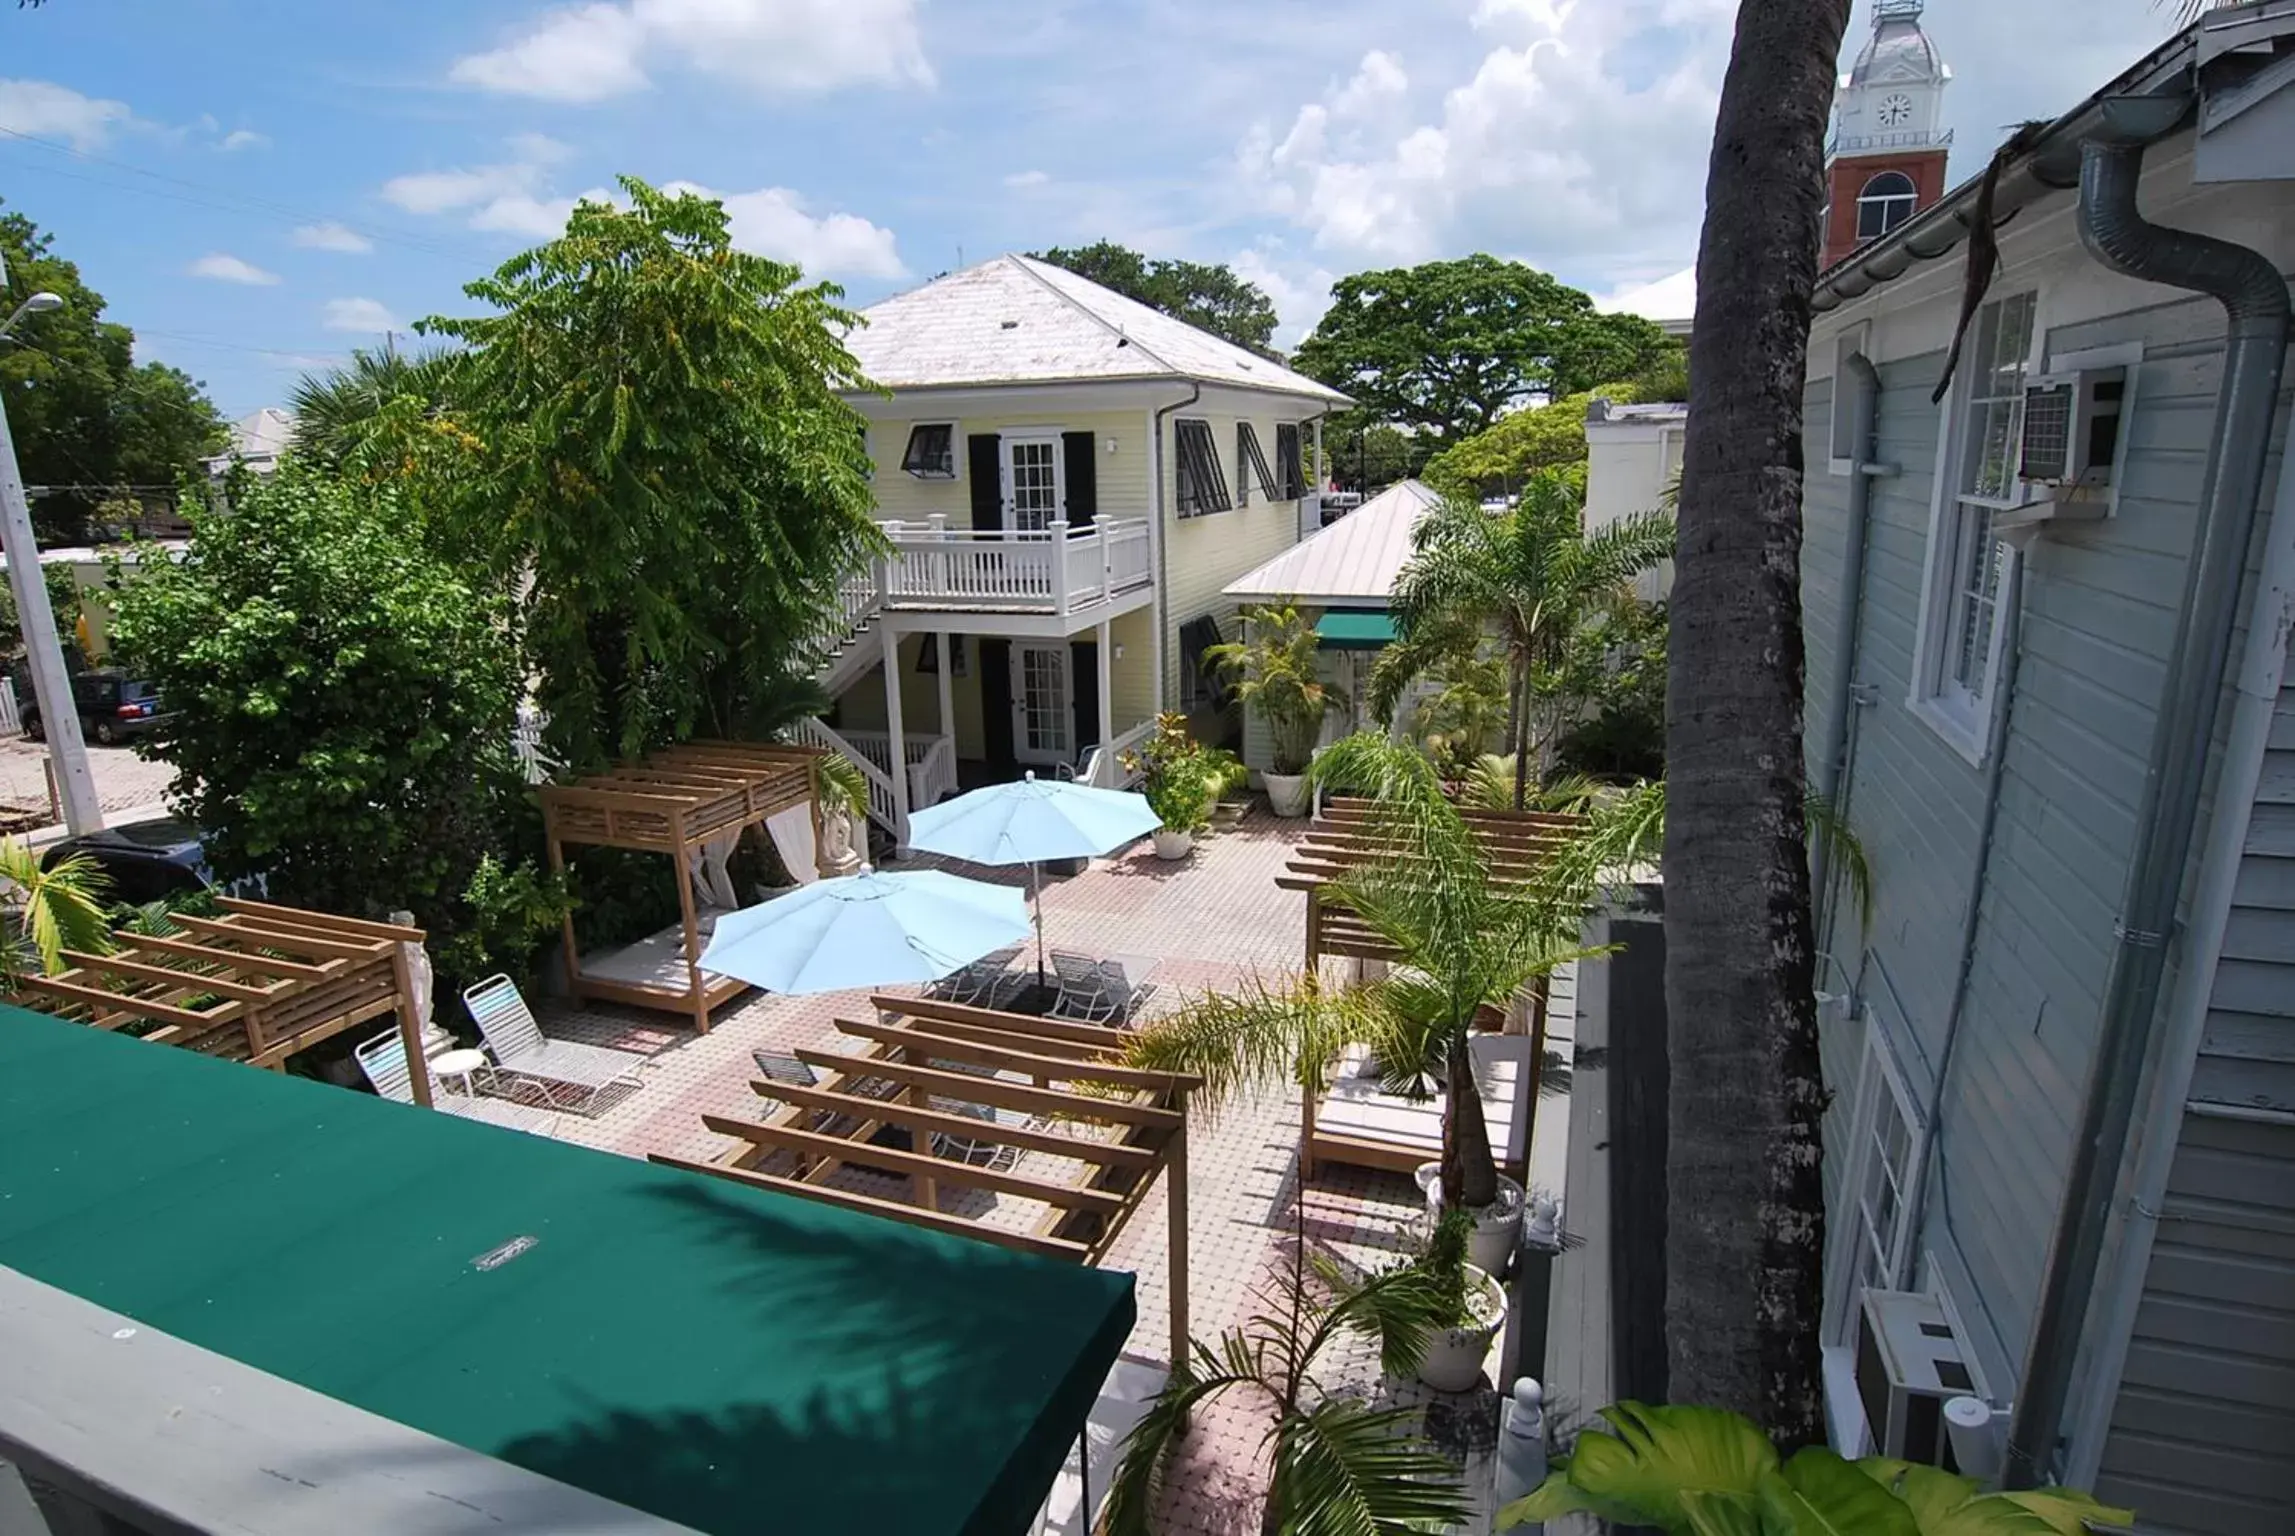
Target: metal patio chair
(568,1074)
(383,1060)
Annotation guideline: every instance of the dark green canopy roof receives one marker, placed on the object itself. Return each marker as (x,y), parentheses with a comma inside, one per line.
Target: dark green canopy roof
(1354,629)
(725,1357)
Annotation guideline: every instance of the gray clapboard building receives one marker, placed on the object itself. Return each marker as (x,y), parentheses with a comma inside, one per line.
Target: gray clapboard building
(2048,616)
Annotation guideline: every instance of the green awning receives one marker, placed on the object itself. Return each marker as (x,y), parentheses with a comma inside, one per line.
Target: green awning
(729,1358)
(1355,629)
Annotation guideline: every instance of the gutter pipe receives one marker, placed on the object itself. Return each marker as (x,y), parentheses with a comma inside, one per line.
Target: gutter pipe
(1857,370)
(2255,302)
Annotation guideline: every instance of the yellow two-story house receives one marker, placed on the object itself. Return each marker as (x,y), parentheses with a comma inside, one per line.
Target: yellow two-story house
(1068,479)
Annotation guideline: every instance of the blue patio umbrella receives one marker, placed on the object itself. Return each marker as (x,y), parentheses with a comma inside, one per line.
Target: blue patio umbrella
(866,930)
(1030,821)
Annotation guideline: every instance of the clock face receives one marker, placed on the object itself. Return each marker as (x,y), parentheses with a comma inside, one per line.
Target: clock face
(1896,109)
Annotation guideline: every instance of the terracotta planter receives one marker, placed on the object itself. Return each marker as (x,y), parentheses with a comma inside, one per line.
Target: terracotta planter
(1497,1226)
(1454,1356)
(1173,845)
(1286,793)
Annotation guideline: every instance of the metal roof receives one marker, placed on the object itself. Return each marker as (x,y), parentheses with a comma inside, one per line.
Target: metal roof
(1355,560)
(1016,320)
(727,1358)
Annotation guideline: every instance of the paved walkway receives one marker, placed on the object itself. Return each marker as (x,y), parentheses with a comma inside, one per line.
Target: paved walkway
(123,780)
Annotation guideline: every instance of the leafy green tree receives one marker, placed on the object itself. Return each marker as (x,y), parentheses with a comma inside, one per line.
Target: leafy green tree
(1531,581)
(1539,439)
(339,699)
(1692,1471)
(341,415)
(664,470)
(1367,456)
(1447,348)
(83,413)
(1211,297)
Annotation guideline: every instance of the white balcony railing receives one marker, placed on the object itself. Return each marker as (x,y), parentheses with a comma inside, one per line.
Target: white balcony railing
(1059,570)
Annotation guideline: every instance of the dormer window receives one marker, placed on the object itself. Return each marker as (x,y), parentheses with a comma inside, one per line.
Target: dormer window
(931,451)
(1886,201)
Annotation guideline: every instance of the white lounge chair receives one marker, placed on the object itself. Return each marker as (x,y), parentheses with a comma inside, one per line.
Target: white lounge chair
(569,1074)
(982,983)
(383,1060)
(1096,991)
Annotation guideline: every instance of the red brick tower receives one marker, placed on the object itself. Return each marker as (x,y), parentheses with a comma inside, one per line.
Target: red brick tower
(1886,161)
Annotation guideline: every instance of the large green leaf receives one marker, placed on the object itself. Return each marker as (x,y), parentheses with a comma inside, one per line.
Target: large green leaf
(1345,1470)
(1819,1494)
(1550,1500)
(1722,1514)
(1929,1493)
(2069,1511)
(1654,1456)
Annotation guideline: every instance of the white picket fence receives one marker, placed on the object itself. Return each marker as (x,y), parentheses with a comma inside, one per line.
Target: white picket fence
(11,718)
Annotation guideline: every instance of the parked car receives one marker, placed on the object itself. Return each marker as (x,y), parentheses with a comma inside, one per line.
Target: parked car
(144,860)
(114,705)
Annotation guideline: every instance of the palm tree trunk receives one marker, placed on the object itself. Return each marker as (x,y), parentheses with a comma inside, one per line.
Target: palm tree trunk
(1745,1228)
(1518,732)
(1469,1174)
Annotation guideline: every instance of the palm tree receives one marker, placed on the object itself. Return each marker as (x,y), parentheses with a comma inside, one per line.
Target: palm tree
(50,910)
(1275,674)
(1533,576)
(1340,1468)
(1465,938)
(1745,1200)
(336,412)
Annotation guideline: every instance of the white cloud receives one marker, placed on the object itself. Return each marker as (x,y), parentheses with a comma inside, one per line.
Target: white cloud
(49,111)
(242,138)
(1377,84)
(773,222)
(595,51)
(509,197)
(330,236)
(1301,290)
(519,214)
(224,268)
(1024,179)
(365,315)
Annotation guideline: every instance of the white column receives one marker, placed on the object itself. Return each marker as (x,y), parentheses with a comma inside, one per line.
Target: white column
(896,742)
(51,683)
(1106,649)
(1059,534)
(947,689)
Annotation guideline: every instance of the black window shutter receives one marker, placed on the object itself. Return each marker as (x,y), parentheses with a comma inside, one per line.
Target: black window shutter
(1083,477)
(1084,689)
(985,464)
(996,699)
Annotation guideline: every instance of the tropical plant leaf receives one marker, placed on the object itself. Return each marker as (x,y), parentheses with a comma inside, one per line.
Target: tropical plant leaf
(2068,1510)
(1345,1470)
(1138,1480)
(1550,1500)
(1653,1456)
(1929,1492)
(1819,1494)
(1724,1514)
(57,908)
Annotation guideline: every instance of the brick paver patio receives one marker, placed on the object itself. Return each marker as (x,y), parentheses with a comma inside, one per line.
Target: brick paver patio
(1212,922)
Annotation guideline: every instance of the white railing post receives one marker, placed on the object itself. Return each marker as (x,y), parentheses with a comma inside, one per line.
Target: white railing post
(1107,564)
(885,565)
(940,567)
(1059,533)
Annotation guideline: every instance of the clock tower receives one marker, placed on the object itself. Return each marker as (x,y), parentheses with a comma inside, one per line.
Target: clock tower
(1886,161)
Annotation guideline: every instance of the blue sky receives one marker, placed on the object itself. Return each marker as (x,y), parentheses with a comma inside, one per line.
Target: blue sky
(259,185)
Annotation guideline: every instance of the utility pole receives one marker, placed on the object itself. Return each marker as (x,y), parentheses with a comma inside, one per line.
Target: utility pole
(51,682)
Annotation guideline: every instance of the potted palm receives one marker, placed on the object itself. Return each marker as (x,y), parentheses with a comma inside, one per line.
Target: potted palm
(1275,677)
(1468,1306)
(1465,939)
(1181,779)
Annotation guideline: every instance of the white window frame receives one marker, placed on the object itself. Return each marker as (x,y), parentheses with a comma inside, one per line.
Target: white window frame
(1881,1084)
(1005,443)
(1909,198)
(955,450)
(1963,718)
(1852,340)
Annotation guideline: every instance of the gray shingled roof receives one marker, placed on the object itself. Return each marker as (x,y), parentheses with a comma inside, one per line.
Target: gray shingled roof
(1015,320)
(1354,561)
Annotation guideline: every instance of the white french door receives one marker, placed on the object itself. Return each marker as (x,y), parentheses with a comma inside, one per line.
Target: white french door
(1041,713)
(1035,483)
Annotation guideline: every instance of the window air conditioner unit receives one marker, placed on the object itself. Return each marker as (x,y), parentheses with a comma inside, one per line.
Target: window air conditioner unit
(1909,1365)
(2070,438)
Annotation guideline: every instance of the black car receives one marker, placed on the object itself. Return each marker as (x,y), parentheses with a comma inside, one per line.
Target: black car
(144,860)
(114,705)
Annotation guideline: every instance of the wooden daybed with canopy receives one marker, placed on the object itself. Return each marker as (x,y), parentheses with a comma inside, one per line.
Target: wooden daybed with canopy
(675,801)
(257,984)
(1352,1121)
(1031,1133)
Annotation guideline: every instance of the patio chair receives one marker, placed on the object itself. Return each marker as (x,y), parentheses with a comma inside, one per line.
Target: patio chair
(1086,994)
(383,1060)
(568,1074)
(981,983)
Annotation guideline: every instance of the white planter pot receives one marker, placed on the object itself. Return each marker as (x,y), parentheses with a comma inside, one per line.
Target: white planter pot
(1454,1356)
(1173,845)
(1497,1227)
(1286,793)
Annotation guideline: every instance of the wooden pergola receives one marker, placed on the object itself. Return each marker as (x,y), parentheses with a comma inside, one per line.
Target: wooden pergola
(257,984)
(672,802)
(1084,1155)
(1515,845)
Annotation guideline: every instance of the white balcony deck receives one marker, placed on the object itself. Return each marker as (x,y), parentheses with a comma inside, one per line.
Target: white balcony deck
(1103,567)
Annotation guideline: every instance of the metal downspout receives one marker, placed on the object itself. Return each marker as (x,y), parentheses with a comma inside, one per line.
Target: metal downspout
(1833,767)
(1163,624)
(2254,298)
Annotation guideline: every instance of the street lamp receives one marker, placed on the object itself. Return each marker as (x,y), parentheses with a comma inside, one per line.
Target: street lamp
(51,681)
